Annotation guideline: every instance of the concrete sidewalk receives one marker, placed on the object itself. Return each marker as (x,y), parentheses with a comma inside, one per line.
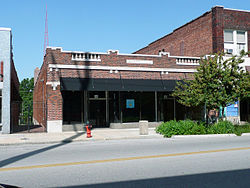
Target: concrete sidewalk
(97,134)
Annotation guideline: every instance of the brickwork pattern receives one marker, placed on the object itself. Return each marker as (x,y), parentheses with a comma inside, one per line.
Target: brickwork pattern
(53,98)
(201,36)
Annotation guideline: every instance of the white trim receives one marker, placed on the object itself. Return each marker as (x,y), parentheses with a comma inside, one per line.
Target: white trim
(138,61)
(237,10)
(54,126)
(185,57)
(53,84)
(5,29)
(191,64)
(125,54)
(112,51)
(1,85)
(54,48)
(122,68)
(76,52)
(86,59)
(140,55)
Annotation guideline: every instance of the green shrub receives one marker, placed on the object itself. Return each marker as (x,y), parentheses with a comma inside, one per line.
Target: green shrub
(222,127)
(188,127)
(242,129)
(184,127)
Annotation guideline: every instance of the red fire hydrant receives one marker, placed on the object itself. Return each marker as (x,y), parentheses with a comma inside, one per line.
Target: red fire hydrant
(88,129)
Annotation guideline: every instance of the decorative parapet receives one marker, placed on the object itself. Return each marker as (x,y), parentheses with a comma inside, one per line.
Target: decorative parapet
(86,57)
(187,60)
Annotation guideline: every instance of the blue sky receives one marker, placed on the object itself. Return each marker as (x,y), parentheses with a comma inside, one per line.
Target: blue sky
(95,25)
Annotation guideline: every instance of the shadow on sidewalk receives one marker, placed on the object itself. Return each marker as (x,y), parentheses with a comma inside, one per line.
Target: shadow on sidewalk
(29,154)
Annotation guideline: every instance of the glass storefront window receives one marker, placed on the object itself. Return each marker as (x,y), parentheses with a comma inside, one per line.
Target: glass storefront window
(72,107)
(137,106)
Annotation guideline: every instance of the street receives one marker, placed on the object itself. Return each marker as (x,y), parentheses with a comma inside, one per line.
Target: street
(159,162)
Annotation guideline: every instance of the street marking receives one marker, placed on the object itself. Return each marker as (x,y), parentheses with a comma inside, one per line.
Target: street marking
(120,159)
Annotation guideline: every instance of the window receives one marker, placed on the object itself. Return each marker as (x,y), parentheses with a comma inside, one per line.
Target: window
(235,41)
(228,36)
(241,41)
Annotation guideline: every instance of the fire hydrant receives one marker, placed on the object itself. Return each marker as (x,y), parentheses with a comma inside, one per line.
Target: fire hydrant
(88,129)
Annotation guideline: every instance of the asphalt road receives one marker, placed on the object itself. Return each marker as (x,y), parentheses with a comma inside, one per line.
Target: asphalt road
(202,162)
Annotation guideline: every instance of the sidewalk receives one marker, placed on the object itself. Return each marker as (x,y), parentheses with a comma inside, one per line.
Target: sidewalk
(97,134)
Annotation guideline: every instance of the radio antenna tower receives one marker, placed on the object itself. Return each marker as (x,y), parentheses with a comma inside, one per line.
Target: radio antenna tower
(46,35)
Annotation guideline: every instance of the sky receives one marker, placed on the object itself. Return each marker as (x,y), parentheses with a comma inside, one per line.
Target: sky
(95,25)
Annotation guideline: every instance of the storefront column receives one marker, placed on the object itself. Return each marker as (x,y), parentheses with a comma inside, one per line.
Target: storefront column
(107,107)
(85,106)
(156,119)
(174,109)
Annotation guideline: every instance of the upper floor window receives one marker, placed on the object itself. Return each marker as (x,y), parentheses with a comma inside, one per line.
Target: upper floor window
(235,41)
(228,36)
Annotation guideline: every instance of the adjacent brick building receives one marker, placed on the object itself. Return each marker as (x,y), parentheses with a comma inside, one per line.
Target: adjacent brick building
(216,30)
(220,29)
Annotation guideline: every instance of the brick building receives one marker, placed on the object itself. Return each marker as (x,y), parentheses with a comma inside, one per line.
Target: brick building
(216,30)
(220,29)
(9,84)
(117,90)
(108,89)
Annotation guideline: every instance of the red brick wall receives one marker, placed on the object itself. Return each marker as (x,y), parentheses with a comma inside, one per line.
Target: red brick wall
(195,36)
(53,98)
(237,20)
(217,29)
(203,35)
(39,96)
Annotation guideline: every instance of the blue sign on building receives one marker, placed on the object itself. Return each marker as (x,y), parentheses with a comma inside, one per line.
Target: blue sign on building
(233,110)
(130,103)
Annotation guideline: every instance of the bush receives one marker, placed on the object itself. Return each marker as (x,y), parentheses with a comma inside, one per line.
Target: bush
(188,127)
(222,127)
(184,127)
(242,129)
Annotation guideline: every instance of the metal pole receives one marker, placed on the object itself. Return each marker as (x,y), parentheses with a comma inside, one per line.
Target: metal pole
(156,118)
(107,107)
(174,110)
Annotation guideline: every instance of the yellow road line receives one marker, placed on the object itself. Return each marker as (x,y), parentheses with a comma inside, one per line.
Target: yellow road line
(121,159)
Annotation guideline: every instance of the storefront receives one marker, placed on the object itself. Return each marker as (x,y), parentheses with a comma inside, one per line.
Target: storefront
(102,105)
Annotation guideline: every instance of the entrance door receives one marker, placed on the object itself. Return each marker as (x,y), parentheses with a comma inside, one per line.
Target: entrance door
(97,113)
(168,109)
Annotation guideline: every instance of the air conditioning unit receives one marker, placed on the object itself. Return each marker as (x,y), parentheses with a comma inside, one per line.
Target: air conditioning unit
(229,51)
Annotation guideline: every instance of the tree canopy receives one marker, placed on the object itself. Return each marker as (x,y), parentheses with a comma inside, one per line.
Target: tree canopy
(26,92)
(218,82)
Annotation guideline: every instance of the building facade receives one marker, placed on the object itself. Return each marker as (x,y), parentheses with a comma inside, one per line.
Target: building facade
(218,30)
(9,84)
(117,90)
(109,89)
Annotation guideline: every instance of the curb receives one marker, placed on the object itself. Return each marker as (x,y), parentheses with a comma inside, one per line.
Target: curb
(245,134)
(82,140)
(204,136)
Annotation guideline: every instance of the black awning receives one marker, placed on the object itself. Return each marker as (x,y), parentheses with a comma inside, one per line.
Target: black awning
(97,84)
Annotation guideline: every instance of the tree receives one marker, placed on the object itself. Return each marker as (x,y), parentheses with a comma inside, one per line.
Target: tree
(26,92)
(218,82)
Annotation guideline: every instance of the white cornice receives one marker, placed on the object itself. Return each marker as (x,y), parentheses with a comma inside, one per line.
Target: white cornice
(121,68)
(237,10)
(5,29)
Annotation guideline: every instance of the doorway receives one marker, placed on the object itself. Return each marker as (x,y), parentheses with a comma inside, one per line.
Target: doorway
(97,109)
(169,109)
